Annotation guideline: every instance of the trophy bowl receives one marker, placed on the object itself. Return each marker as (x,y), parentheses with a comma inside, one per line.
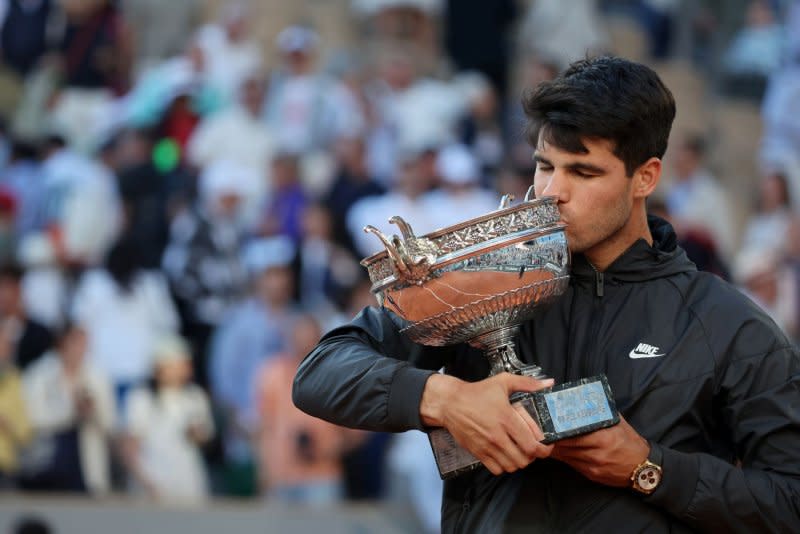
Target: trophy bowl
(475,281)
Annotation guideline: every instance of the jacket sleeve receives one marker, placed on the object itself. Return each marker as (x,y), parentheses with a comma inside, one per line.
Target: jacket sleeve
(367,375)
(760,399)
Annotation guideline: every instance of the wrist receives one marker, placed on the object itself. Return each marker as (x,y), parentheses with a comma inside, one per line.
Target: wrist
(436,397)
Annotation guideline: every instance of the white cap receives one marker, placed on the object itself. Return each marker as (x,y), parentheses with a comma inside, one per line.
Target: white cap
(227,177)
(457,165)
(170,348)
(261,254)
(297,39)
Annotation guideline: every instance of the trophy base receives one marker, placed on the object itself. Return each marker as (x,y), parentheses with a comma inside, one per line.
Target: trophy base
(563,411)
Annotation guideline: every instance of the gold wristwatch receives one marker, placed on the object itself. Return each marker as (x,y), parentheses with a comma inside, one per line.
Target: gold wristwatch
(646,477)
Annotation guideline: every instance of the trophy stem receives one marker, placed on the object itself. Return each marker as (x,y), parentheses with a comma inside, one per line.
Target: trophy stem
(498,345)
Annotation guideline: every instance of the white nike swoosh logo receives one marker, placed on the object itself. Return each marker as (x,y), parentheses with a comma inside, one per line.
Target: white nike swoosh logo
(636,355)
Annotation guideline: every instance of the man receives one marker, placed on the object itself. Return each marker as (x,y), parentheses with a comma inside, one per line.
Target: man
(707,385)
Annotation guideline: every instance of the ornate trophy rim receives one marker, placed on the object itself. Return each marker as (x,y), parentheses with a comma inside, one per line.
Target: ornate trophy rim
(447,245)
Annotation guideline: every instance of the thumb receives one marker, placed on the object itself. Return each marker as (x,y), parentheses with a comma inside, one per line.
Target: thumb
(514,383)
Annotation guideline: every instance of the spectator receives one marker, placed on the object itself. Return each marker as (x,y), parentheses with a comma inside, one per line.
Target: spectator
(763,277)
(96,46)
(146,195)
(326,271)
(168,422)
(15,430)
(396,75)
(479,127)
(300,456)
(404,200)
(252,332)
(283,213)
(202,259)
(82,210)
(232,55)
(460,196)
(352,183)
(29,339)
(658,19)
(125,309)
(238,134)
(71,405)
(307,109)
(755,52)
(768,226)
(696,200)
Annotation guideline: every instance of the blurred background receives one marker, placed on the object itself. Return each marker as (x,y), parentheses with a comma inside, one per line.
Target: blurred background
(183,185)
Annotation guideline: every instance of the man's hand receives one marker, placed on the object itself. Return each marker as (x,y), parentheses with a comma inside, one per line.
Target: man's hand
(483,421)
(606,456)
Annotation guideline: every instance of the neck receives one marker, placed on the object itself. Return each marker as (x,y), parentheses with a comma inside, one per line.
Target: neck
(603,254)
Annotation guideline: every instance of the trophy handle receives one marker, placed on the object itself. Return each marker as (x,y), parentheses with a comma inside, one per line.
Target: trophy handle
(530,194)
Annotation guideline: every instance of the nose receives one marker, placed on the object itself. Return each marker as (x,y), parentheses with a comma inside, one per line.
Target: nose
(555,185)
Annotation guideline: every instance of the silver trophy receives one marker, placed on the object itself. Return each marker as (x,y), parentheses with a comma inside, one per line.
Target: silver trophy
(477,282)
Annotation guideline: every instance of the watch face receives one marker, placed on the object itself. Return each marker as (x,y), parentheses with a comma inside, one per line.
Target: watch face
(648,478)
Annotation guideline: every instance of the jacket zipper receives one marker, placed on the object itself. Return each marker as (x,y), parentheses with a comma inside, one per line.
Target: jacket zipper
(599,291)
(598,286)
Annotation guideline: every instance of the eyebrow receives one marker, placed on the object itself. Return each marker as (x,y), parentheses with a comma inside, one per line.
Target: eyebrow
(575,166)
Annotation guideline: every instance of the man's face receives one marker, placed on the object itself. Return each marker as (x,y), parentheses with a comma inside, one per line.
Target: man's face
(594,194)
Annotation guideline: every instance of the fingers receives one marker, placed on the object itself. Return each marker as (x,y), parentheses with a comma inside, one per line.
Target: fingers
(514,383)
(528,420)
(533,448)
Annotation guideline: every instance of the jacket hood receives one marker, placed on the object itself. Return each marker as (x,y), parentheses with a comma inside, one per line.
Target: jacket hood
(642,261)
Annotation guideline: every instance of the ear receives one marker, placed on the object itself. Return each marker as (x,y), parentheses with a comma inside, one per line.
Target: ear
(646,178)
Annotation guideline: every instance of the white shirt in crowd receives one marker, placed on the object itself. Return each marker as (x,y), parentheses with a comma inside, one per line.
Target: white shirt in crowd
(168,458)
(122,326)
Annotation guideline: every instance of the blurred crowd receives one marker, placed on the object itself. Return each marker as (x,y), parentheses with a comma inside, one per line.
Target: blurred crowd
(181,217)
